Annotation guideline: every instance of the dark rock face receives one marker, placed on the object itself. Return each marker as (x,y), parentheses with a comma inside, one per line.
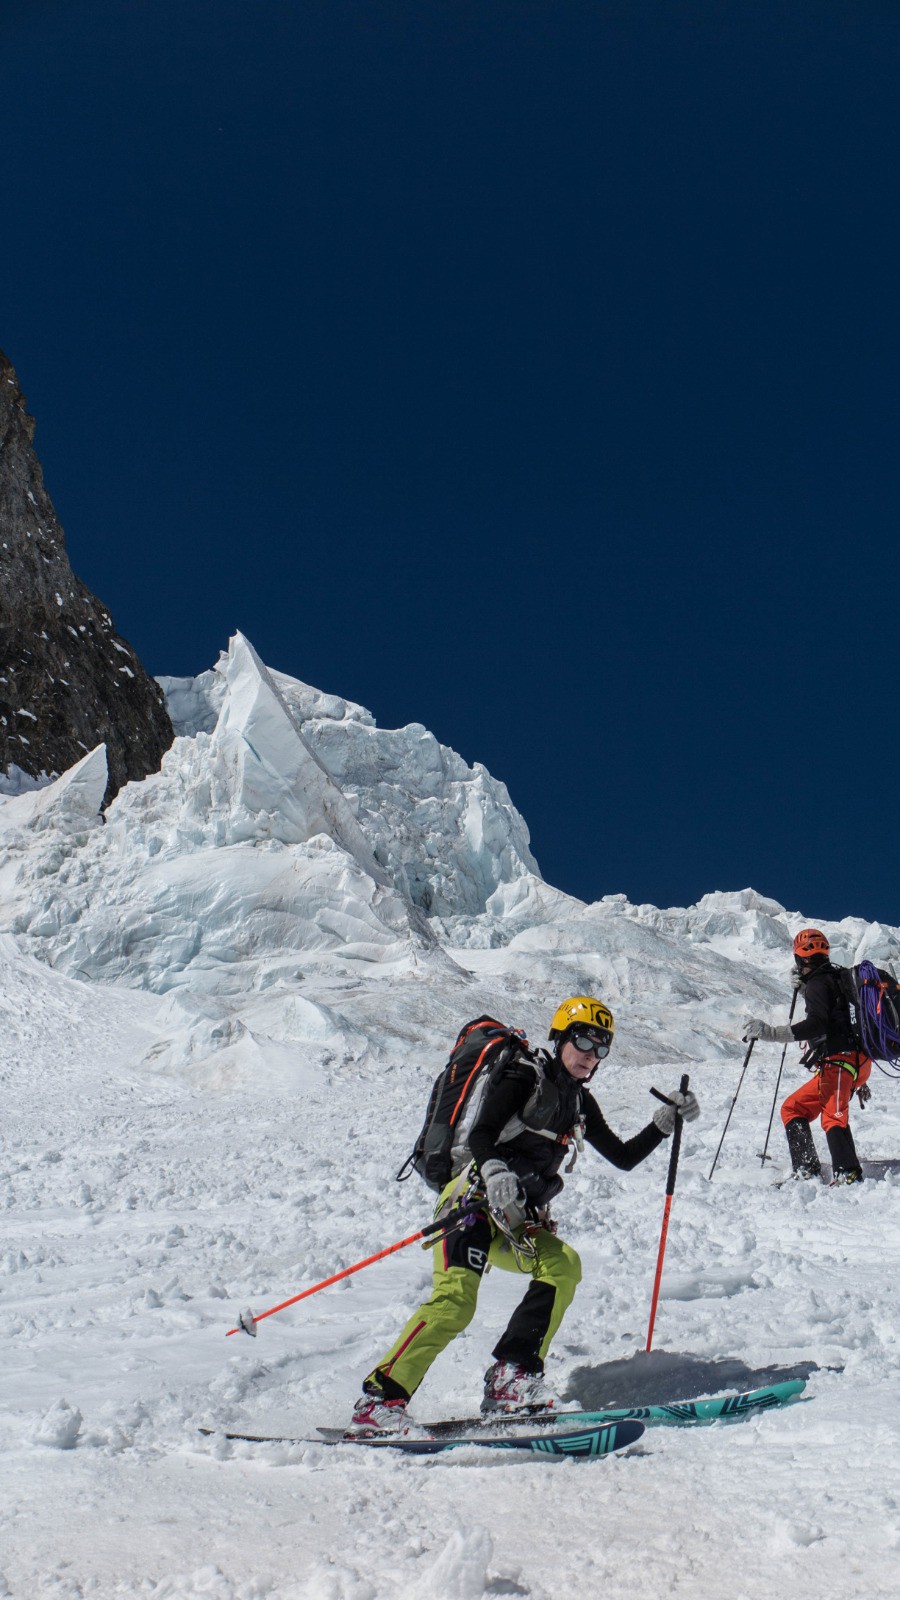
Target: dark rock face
(68,681)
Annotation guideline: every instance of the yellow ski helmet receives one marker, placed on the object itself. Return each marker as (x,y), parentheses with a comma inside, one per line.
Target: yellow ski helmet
(585,1012)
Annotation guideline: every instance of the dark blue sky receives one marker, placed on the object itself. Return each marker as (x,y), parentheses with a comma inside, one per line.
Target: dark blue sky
(525,368)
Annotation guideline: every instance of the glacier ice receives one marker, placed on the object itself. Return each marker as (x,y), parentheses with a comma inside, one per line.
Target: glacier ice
(447,835)
(291,859)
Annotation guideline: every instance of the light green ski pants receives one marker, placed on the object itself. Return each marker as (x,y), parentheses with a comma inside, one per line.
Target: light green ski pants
(459,1263)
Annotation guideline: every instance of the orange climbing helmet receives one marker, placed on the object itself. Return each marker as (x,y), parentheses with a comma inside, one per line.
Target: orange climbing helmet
(810,942)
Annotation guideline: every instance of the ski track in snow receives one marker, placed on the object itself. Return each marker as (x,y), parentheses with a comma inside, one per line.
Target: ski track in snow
(155,1178)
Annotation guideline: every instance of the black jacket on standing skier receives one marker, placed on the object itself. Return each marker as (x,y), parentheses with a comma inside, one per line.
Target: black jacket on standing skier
(826,1028)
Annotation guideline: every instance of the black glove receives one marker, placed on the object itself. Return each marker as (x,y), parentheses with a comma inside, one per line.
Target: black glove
(864,1094)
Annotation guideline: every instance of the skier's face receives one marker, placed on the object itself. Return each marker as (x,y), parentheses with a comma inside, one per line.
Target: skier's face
(807,964)
(579,1064)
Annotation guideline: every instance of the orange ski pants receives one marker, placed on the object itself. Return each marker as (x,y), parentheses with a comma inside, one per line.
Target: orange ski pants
(829,1093)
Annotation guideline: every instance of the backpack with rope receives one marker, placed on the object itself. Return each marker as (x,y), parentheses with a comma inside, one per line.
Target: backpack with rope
(873,1001)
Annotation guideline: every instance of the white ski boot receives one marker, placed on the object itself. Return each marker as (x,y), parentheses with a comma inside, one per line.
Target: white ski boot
(376,1418)
(510,1390)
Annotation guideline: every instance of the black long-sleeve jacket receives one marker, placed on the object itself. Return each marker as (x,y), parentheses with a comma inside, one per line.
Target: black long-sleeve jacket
(533,1156)
(827,1021)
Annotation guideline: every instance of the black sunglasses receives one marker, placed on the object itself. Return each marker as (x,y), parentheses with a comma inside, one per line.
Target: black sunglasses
(588,1043)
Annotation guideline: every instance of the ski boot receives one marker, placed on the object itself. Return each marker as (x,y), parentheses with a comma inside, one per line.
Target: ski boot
(804,1159)
(376,1418)
(511,1390)
(844,1160)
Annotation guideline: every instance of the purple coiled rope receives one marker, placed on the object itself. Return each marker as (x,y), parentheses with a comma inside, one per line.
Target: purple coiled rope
(880,1039)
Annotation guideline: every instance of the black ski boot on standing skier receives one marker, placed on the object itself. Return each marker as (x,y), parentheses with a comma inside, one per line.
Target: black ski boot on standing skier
(804,1158)
(844,1160)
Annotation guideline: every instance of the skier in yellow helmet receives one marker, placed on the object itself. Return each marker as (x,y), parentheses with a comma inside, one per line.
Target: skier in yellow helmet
(533,1107)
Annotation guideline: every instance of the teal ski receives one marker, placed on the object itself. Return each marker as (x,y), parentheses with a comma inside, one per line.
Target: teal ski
(591,1440)
(712,1408)
(715,1408)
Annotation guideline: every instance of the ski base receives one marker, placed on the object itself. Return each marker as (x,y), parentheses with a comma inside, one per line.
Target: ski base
(592,1441)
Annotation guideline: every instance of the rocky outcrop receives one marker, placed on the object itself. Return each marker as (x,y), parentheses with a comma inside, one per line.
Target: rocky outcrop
(68,680)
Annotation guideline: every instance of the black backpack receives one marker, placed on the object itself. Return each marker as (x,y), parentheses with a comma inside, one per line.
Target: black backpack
(873,1000)
(481,1048)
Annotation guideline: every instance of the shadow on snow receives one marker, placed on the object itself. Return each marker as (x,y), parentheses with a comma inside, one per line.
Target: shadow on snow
(661,1376)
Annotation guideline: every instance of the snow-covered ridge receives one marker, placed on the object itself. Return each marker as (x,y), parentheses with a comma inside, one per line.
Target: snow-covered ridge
(293,847)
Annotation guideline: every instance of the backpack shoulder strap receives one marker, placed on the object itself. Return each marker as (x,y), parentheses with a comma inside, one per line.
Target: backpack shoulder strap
(487,1048)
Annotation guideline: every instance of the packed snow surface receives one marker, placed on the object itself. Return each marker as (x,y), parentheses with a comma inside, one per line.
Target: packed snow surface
(222,1009)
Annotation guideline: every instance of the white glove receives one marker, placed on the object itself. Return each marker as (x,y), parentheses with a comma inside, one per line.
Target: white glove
(503,1188)
(796,980)
(752,1028)
(687,1104)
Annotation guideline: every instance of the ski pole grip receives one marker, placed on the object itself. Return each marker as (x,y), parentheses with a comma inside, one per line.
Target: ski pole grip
(676,1140)
(462,1215)
(658,1094)
(442,1225)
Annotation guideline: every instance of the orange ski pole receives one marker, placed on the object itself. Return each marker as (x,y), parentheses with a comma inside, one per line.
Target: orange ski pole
(246,1322)
(670,1190)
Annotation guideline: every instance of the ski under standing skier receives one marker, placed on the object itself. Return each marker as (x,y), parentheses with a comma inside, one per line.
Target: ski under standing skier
(532,1108)
(840,1068)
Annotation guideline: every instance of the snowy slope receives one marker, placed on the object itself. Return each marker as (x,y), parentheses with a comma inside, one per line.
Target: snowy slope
(221,1013)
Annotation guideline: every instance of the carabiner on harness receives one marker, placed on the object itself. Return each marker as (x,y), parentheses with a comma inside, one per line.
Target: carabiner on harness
(577,1144)
(521,1247)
